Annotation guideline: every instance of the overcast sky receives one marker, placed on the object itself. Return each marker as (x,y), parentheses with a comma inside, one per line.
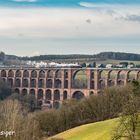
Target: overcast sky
(33,27)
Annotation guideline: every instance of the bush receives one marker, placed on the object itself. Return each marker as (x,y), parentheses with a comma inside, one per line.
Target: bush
(13,117)
(74,113)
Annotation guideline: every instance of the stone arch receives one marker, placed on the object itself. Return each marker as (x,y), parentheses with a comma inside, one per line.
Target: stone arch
(131,75)
(24,92)
(25,73)
(42,74)
(56,95)
(111,83)
(66,74)
(33,83)
(17,91)
(34,73)
(10,82)
(79,79)
(10,73)
(3,73)
(18,73)
(91,93)
(40,94)
(66,84)
(92,84)
(101,84)
(48,95)
(58,74)
(56,104)
(48,104)
(50,74)
(49,83)
(25,83)
(120,82)
(103,74)
(112,75)
(65,95)
(92,75)
(41,83)
(58,83)
(78,95)
(121,75)
(17,82)
(32,92)
(138,75)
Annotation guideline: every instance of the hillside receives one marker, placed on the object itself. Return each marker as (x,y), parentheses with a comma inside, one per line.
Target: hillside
(95,131)
(94,57)
(103,56)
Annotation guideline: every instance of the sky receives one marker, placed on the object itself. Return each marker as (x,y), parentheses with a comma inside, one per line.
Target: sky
(35,27)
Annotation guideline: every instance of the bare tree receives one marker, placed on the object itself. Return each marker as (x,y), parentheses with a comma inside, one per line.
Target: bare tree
(129,124)
(14,118)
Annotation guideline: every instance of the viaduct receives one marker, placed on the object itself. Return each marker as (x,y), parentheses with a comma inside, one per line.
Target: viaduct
(53,85)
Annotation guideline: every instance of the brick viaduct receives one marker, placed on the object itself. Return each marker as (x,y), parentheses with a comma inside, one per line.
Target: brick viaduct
(53,85)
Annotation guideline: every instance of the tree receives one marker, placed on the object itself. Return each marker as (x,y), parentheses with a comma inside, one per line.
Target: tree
(13,117)
(2,56)
(28,101)
(129,124)
(5,91)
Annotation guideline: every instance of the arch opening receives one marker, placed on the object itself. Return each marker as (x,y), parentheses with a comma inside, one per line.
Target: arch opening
(25,73)
(92,84)
(56,104)
(48,95)
(66,74)
(3,73)
(10,73)
(78,95)
(80,80)
(101,84)
(40,94)
(10,82)
(25,83)
(49,83)
(66,84)
(56,95)
(58,83)
(18,73)
(41,83)
(17,91)
(50,74)
(42,74)
(17,83)
(58,74)
(24,92)
(32,92)
(34,73)
(65,95)
(33,83)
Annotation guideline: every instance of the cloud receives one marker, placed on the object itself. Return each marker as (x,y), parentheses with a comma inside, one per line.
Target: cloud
(133,18)
(67,23)
(25,0)
(88,21)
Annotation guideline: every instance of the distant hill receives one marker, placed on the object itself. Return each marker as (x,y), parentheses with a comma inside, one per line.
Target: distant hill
(118,56)
(100,56)
(4,57)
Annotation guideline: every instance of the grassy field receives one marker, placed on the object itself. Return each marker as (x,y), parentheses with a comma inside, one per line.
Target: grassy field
(95,131)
